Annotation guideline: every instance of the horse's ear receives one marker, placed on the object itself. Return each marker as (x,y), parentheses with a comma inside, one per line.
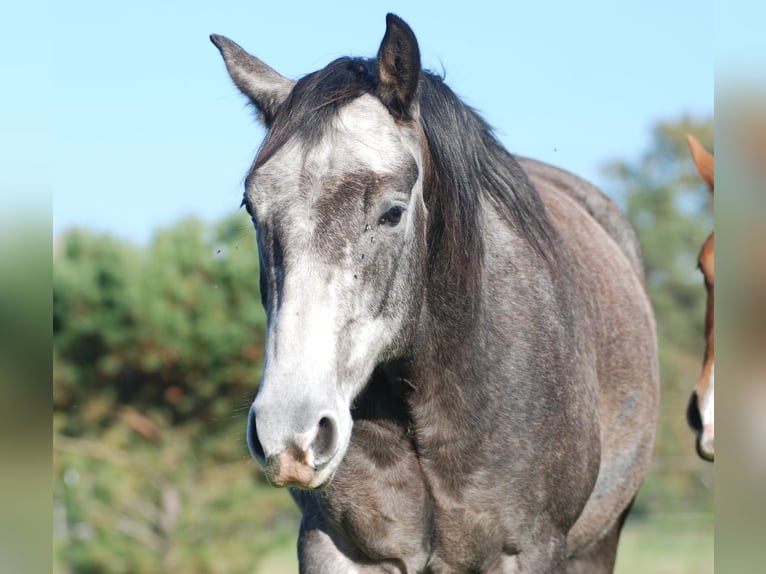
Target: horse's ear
(265,87)
(398,68)
(704,161)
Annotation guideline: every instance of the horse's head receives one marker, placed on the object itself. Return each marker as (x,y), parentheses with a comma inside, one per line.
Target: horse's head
(336,196)
(701,411)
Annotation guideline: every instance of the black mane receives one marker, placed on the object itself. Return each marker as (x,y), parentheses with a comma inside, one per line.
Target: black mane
(466,164)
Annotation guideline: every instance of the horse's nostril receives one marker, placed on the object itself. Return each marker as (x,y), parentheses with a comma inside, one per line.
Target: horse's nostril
(252,438)
(325,442)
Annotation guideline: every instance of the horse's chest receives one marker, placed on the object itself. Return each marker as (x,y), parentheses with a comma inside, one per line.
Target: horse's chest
(398,523)
(377,503)
(467,535)
(382,509)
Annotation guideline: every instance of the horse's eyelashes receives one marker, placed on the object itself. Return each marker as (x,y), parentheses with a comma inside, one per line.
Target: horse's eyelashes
(249,208)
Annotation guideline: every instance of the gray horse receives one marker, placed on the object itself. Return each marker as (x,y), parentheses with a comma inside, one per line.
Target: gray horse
(461,367)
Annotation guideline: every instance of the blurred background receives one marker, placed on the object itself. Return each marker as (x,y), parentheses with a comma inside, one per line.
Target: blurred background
(157,323)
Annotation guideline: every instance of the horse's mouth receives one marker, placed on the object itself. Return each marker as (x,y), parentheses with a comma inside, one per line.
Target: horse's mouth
(703,434)
(288,470)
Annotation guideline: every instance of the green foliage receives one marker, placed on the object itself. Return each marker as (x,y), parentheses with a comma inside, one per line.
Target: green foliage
(127,505)
(176,329)
(667,544)
(157,354)
(670,210)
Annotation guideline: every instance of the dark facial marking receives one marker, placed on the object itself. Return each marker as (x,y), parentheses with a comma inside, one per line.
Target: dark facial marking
(339,211)
(271,263)
(356,201)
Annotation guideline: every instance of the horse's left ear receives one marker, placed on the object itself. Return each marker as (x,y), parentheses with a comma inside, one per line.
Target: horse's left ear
(398,68)
(266,88)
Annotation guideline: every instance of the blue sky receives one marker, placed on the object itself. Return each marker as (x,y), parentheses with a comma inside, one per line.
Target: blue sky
(147,126)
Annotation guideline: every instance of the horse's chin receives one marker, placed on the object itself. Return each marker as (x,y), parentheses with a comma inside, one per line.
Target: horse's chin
(320,484)
(705,448)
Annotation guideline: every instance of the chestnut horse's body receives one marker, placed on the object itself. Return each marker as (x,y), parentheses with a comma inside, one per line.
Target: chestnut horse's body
(461,367)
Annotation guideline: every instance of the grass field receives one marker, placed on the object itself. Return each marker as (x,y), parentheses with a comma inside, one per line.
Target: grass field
(667,544)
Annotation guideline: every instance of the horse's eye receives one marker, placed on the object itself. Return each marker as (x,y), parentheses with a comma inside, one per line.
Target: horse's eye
(393,216)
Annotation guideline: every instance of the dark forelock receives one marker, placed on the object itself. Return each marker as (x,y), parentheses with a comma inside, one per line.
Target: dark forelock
(315,100)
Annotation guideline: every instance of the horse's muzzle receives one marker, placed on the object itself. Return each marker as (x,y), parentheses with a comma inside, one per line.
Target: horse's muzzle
(305,453)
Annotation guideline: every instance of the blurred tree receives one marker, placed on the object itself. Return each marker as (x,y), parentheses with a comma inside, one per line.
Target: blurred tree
(670,209)
(157,354)
(176,329)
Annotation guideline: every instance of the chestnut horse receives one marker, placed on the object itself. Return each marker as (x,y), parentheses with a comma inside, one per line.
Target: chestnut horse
(701,410)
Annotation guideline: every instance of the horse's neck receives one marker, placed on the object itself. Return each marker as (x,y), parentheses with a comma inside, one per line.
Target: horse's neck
(469,346)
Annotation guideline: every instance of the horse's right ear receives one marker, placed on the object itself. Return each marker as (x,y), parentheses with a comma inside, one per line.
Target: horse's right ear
(265,87)
(704,161)
(398,68)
